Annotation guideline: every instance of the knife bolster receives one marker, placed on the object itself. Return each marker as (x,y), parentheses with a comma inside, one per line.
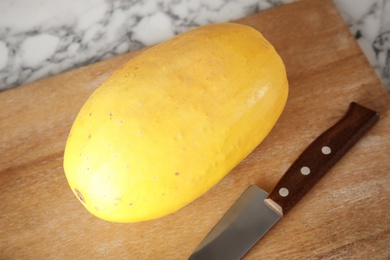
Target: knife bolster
(274,206)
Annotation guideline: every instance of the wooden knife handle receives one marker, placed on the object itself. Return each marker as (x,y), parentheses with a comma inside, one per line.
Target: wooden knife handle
(320,156)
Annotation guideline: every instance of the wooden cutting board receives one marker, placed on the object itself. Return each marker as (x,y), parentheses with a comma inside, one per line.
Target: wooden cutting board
(345,216)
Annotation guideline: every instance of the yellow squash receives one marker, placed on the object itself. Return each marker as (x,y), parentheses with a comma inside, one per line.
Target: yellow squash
(173,121)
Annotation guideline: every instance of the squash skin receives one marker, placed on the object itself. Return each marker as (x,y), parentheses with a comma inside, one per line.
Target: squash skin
(173,121)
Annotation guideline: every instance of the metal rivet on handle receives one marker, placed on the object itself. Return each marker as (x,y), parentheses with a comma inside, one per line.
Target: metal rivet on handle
(305,170)
(283,192)
(326,150)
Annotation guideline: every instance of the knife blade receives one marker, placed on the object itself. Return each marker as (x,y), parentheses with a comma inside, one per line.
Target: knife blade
(256,211)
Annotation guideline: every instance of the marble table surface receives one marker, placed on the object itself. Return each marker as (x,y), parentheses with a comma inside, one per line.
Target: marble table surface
(41,38)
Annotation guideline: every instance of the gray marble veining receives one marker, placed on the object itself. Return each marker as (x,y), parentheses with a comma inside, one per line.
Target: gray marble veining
(47,37)
(369,21)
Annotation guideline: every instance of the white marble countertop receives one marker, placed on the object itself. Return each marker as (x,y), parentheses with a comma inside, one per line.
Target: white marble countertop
(46,37)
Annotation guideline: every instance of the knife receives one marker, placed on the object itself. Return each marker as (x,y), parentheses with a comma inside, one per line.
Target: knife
(256,211)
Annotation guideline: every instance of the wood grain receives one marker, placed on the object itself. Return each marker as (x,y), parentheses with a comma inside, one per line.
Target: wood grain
(346,216)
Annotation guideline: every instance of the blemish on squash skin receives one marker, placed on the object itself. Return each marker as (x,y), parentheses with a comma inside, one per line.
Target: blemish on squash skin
(177,174)
(117,201)
(80,195)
